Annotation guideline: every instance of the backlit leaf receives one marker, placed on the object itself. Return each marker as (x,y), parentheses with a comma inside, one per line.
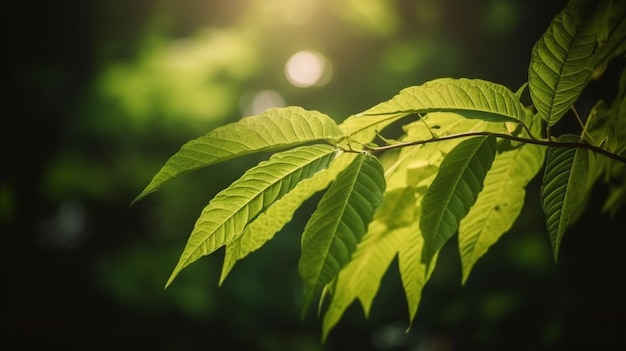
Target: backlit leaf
(413,271)
(268,223)
(274,129)
(453,191)
(361,278)
(472,98)
(339,223)
(499,203)
(228,213)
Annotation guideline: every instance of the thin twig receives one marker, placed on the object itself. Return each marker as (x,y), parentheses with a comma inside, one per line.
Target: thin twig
(581,145)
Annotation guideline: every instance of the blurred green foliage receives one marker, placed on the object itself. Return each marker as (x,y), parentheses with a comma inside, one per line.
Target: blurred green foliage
(103,92)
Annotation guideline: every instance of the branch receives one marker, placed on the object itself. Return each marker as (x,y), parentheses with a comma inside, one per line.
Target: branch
(581,145)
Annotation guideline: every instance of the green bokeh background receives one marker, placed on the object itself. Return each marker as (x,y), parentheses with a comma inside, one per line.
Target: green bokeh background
(100,93)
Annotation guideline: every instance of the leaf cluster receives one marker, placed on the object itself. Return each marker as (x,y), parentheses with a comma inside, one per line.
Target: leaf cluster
(460,168)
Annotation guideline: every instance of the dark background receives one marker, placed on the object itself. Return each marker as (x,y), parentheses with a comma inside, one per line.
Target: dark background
(92,111)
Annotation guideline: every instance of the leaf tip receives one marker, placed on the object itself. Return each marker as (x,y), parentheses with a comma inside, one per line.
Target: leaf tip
(555,254)
(223,275)
(173,276)
(147,191)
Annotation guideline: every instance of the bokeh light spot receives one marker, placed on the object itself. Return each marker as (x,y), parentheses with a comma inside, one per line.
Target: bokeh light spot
(308,68)
(260,101)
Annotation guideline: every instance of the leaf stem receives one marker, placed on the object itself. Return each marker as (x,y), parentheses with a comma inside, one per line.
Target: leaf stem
(549,143)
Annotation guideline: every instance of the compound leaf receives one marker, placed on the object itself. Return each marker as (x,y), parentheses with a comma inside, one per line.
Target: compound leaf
(339,223)
(274,129)
(227,214)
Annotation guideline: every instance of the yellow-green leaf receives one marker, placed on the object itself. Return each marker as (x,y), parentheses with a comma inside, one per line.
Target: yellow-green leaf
(226,216)
(275,129)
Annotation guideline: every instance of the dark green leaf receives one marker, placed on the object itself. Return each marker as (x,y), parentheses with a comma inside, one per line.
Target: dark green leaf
(564,186)
(454,190)
(562,63)
(339,223)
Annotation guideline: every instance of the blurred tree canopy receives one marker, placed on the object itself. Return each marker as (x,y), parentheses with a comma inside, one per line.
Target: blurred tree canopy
(100,93)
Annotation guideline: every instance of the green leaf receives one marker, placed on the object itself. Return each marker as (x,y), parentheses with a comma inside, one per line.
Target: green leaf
(615,200)
(268,223)
(412,172)
(272,130)
(363,129)
(339,223)
(361,278)
(454,190)
(472,98)
(413,272)
(611,32)
(562,63)
(499,203)
(564,186)
(478,98)
(226,216)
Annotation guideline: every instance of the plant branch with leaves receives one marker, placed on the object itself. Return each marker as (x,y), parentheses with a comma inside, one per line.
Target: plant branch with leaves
(468,150)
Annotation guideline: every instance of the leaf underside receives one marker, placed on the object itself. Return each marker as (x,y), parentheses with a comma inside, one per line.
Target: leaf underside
(472,98)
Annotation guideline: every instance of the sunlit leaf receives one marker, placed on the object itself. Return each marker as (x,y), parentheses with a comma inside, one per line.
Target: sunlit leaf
(562,62)
(499,203)
(564,186)
(413,271)
(272,130)
(268,223)
(363,129)
(472,98)
(339,223)
(453,191)
(361,278)
(226,216)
